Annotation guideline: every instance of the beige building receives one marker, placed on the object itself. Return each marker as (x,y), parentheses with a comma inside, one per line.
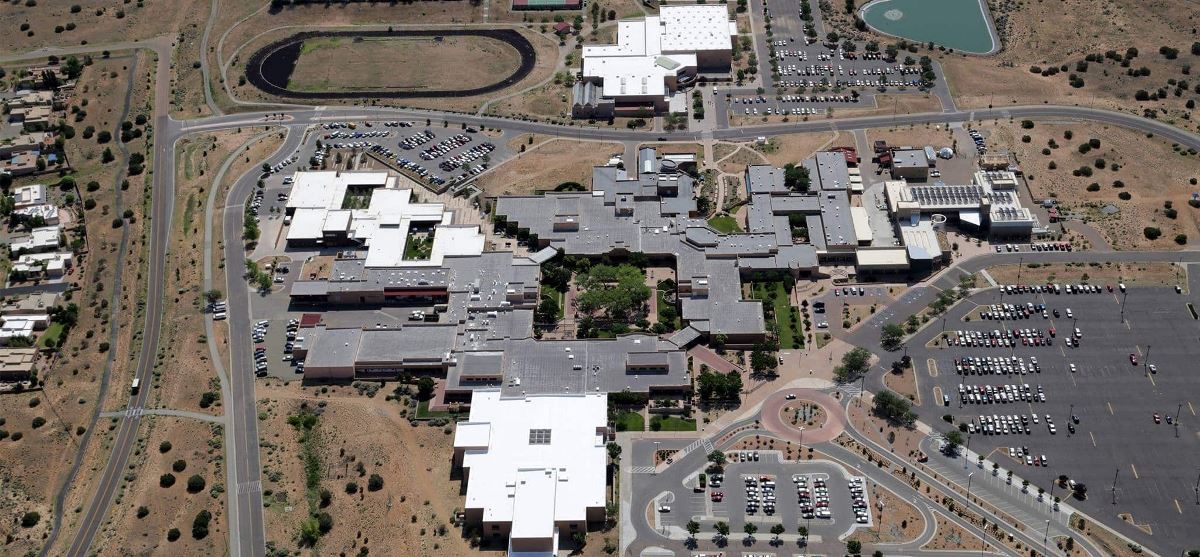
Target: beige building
(16,364)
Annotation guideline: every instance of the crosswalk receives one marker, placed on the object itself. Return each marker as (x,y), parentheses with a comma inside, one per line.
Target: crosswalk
(250,487)
(642,469)
(133,412)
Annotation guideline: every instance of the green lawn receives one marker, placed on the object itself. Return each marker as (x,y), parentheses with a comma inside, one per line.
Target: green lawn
(789,336)
(672,423)
(724,224)
(424,413)
(671,320)
(418,248)
(50,337)
(631,421)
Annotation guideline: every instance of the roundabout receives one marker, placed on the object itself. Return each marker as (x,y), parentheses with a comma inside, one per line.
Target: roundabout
(398,64)
(826,420)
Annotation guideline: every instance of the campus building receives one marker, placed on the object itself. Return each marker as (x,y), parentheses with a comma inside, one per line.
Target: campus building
(653,58)
(532,475)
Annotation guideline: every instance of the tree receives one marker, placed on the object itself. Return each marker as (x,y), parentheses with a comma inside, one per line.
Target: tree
(777,530)
(351,488)
(324,522)
(164,446)
(166,480)
(1151,233)
(195,483)
(425,386)
(894,407)
(310,532)
(172,534)
(890,336)
(853,547)
(802,531)
(213,296)
(375,482)
(580,539)
(73,68)
(614,452)
(762,361)
(547,310)
(30,519)
(722,529)
(854,364)
(693,528)
(796,178)
(179,465)
(750,529)
(954,438)
(200,524)
(717,457)
(143,511)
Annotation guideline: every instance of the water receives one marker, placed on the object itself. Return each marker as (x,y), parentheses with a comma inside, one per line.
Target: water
(957,24)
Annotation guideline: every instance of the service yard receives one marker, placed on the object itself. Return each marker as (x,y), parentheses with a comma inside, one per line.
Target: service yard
(1114,417)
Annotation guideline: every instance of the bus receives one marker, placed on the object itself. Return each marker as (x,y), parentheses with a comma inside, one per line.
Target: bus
(136,383)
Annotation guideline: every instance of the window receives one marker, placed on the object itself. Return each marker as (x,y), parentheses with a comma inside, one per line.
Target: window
(539,437)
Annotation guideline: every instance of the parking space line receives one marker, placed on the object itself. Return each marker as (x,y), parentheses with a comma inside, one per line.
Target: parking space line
(1139,347)
(1178,508)
(1093,439)
(1110,410)
(1193,410)
(1152,383)
(1134,468)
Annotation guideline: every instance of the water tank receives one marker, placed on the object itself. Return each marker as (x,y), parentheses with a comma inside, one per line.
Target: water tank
(668,166)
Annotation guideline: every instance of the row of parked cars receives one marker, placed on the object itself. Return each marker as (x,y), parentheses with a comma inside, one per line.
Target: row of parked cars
(814,501)
(996,365)
(760,494)
(416,140)
(283,164)
(1000,339)
(358,135)
(470,155)
(1009,424)
(1051,246)
(999,394)
(445,146)
(1012,312)
(1021,454)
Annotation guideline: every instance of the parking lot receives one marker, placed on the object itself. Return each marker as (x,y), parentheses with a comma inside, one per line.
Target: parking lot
(769,491)
(445,156)
(1117,406)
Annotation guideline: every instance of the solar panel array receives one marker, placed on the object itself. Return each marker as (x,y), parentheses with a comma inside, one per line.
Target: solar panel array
(1008,214)
(947,195)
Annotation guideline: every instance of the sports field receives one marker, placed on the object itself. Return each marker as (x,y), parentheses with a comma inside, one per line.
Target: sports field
(401,63)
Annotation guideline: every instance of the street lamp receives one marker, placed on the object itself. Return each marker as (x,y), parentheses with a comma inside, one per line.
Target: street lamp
(969,477)
(967,453)
(654,459)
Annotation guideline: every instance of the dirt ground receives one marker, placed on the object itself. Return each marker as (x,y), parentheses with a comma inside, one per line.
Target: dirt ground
(897,522)
(736,163)
(901,440)
(546,166)
(909,103)
(1141,173)
(120,21)
(793,148)
(551,101)
(403,64)
(38,462)
(917,136)
(1046,34)
(1109,543)
(198,445)
(187,81)
(1146,274)
(951,536)
(414,462)
(904,384)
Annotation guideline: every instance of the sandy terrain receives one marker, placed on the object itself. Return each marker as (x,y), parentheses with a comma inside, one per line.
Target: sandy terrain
(1062,33)
(951,536)
(546,166)
(119,21)
(198,445)
(414,462)
(897,522)
(1141,171)
(187,93)
(793,148)
(42,457)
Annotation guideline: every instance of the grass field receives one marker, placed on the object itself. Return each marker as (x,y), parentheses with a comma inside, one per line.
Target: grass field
(671,423)
(790,335)
(409,63)
(630,421)
(50,337)
(724,224)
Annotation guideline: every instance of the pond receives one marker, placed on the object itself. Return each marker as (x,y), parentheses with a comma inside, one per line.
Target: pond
(961,25)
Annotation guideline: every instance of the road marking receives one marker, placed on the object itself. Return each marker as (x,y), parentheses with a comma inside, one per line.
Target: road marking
(250,487)
(1190,408)
(1110,411)
(642,469)
(1139,349)
(1134,468)
(133,412)
(1093,438)
(931,364)
(1178,508)
(1151,377)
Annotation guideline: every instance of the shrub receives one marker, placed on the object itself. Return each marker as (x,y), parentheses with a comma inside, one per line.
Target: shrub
(30,519)
(38,422)
(351,488)
(1181,239)
(1125,196)
(166,480)
(172,534)
(1027,124)
(1093,187)
(375,482)
(142,511)
(179,465)
(200,524)
(1151,233)
(195,483)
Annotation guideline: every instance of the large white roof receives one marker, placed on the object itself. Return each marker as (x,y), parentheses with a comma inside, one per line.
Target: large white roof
(695,28)
(534,460)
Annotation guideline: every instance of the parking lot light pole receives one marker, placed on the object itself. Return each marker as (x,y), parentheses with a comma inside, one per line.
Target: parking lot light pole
(1197,488)
(1177,410)
(1146,361)
(1053,482)
(1046,537)
(1124,297)
(966,453)
(654,459)
(969,477)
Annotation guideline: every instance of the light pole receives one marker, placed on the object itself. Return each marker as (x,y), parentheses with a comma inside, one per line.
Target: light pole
(801,443)
(967,453)
(1177,410)
(1053,482)
(1114,486)
(1197,488)
(654,460)
(969,477)
(1046,538)
(1124,297)
(1146,361)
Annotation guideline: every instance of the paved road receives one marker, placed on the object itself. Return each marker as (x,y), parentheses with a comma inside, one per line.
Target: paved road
(243,413)
(163,188)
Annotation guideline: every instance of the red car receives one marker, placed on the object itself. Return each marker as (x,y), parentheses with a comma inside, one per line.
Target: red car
(1133,358)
